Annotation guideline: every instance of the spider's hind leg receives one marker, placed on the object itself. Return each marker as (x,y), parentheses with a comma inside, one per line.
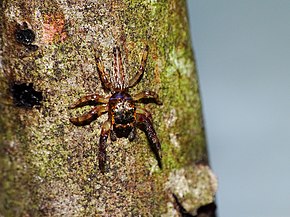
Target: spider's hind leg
(145,124)
(103,145)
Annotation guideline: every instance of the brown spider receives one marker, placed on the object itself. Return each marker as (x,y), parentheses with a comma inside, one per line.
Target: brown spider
(123,114)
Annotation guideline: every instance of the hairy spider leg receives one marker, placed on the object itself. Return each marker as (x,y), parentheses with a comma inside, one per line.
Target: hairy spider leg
(140,72)
(119,78)
(104,75)
(89,116)
(144,122)
(103,144)
(147,95)
(132,134)
(86,100)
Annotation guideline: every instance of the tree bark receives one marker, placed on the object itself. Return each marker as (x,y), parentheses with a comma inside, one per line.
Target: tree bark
(48,166)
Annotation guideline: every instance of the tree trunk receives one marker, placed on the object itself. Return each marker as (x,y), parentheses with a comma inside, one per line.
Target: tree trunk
(48,166)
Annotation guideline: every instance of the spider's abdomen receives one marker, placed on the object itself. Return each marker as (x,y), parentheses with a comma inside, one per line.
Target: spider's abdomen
(122,110)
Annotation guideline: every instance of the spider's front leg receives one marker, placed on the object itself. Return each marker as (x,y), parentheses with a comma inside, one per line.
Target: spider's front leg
(144,122)
(118,78)
(103,74)
(140,72)
(103,144)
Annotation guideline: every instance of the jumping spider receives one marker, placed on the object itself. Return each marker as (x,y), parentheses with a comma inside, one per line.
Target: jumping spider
(123,113)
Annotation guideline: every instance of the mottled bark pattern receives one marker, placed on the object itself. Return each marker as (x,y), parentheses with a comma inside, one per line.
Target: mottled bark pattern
(48,166)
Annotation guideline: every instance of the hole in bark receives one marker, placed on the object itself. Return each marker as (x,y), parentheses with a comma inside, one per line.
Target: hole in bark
(207,210)
(25,36)
(25,96)
(203,211)
(178,206)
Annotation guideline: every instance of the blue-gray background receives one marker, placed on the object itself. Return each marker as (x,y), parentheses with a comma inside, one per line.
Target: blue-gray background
(242,49)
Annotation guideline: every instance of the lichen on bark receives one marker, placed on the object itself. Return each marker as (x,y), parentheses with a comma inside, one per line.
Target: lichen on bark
(49,167)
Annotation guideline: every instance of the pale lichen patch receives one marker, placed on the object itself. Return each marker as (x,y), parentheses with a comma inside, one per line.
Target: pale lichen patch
(171,211)
(171,119)
(173,140)
(180,62)
(193,186)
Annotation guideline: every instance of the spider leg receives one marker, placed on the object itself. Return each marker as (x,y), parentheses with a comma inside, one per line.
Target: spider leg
(147,95)
(113,135)
(86,100)
(103,74)
(140,72)
(132,134)
(103,144)
(118,77)
(89,116)
(144,122)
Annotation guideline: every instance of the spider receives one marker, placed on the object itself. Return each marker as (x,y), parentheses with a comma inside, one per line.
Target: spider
(124,116)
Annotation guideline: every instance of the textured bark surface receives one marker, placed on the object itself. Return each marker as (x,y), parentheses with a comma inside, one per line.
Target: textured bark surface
(48,166)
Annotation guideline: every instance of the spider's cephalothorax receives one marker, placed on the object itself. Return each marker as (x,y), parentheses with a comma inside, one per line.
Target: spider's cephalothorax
(123,113)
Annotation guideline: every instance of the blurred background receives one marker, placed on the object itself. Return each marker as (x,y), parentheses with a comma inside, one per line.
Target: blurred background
(242,51)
